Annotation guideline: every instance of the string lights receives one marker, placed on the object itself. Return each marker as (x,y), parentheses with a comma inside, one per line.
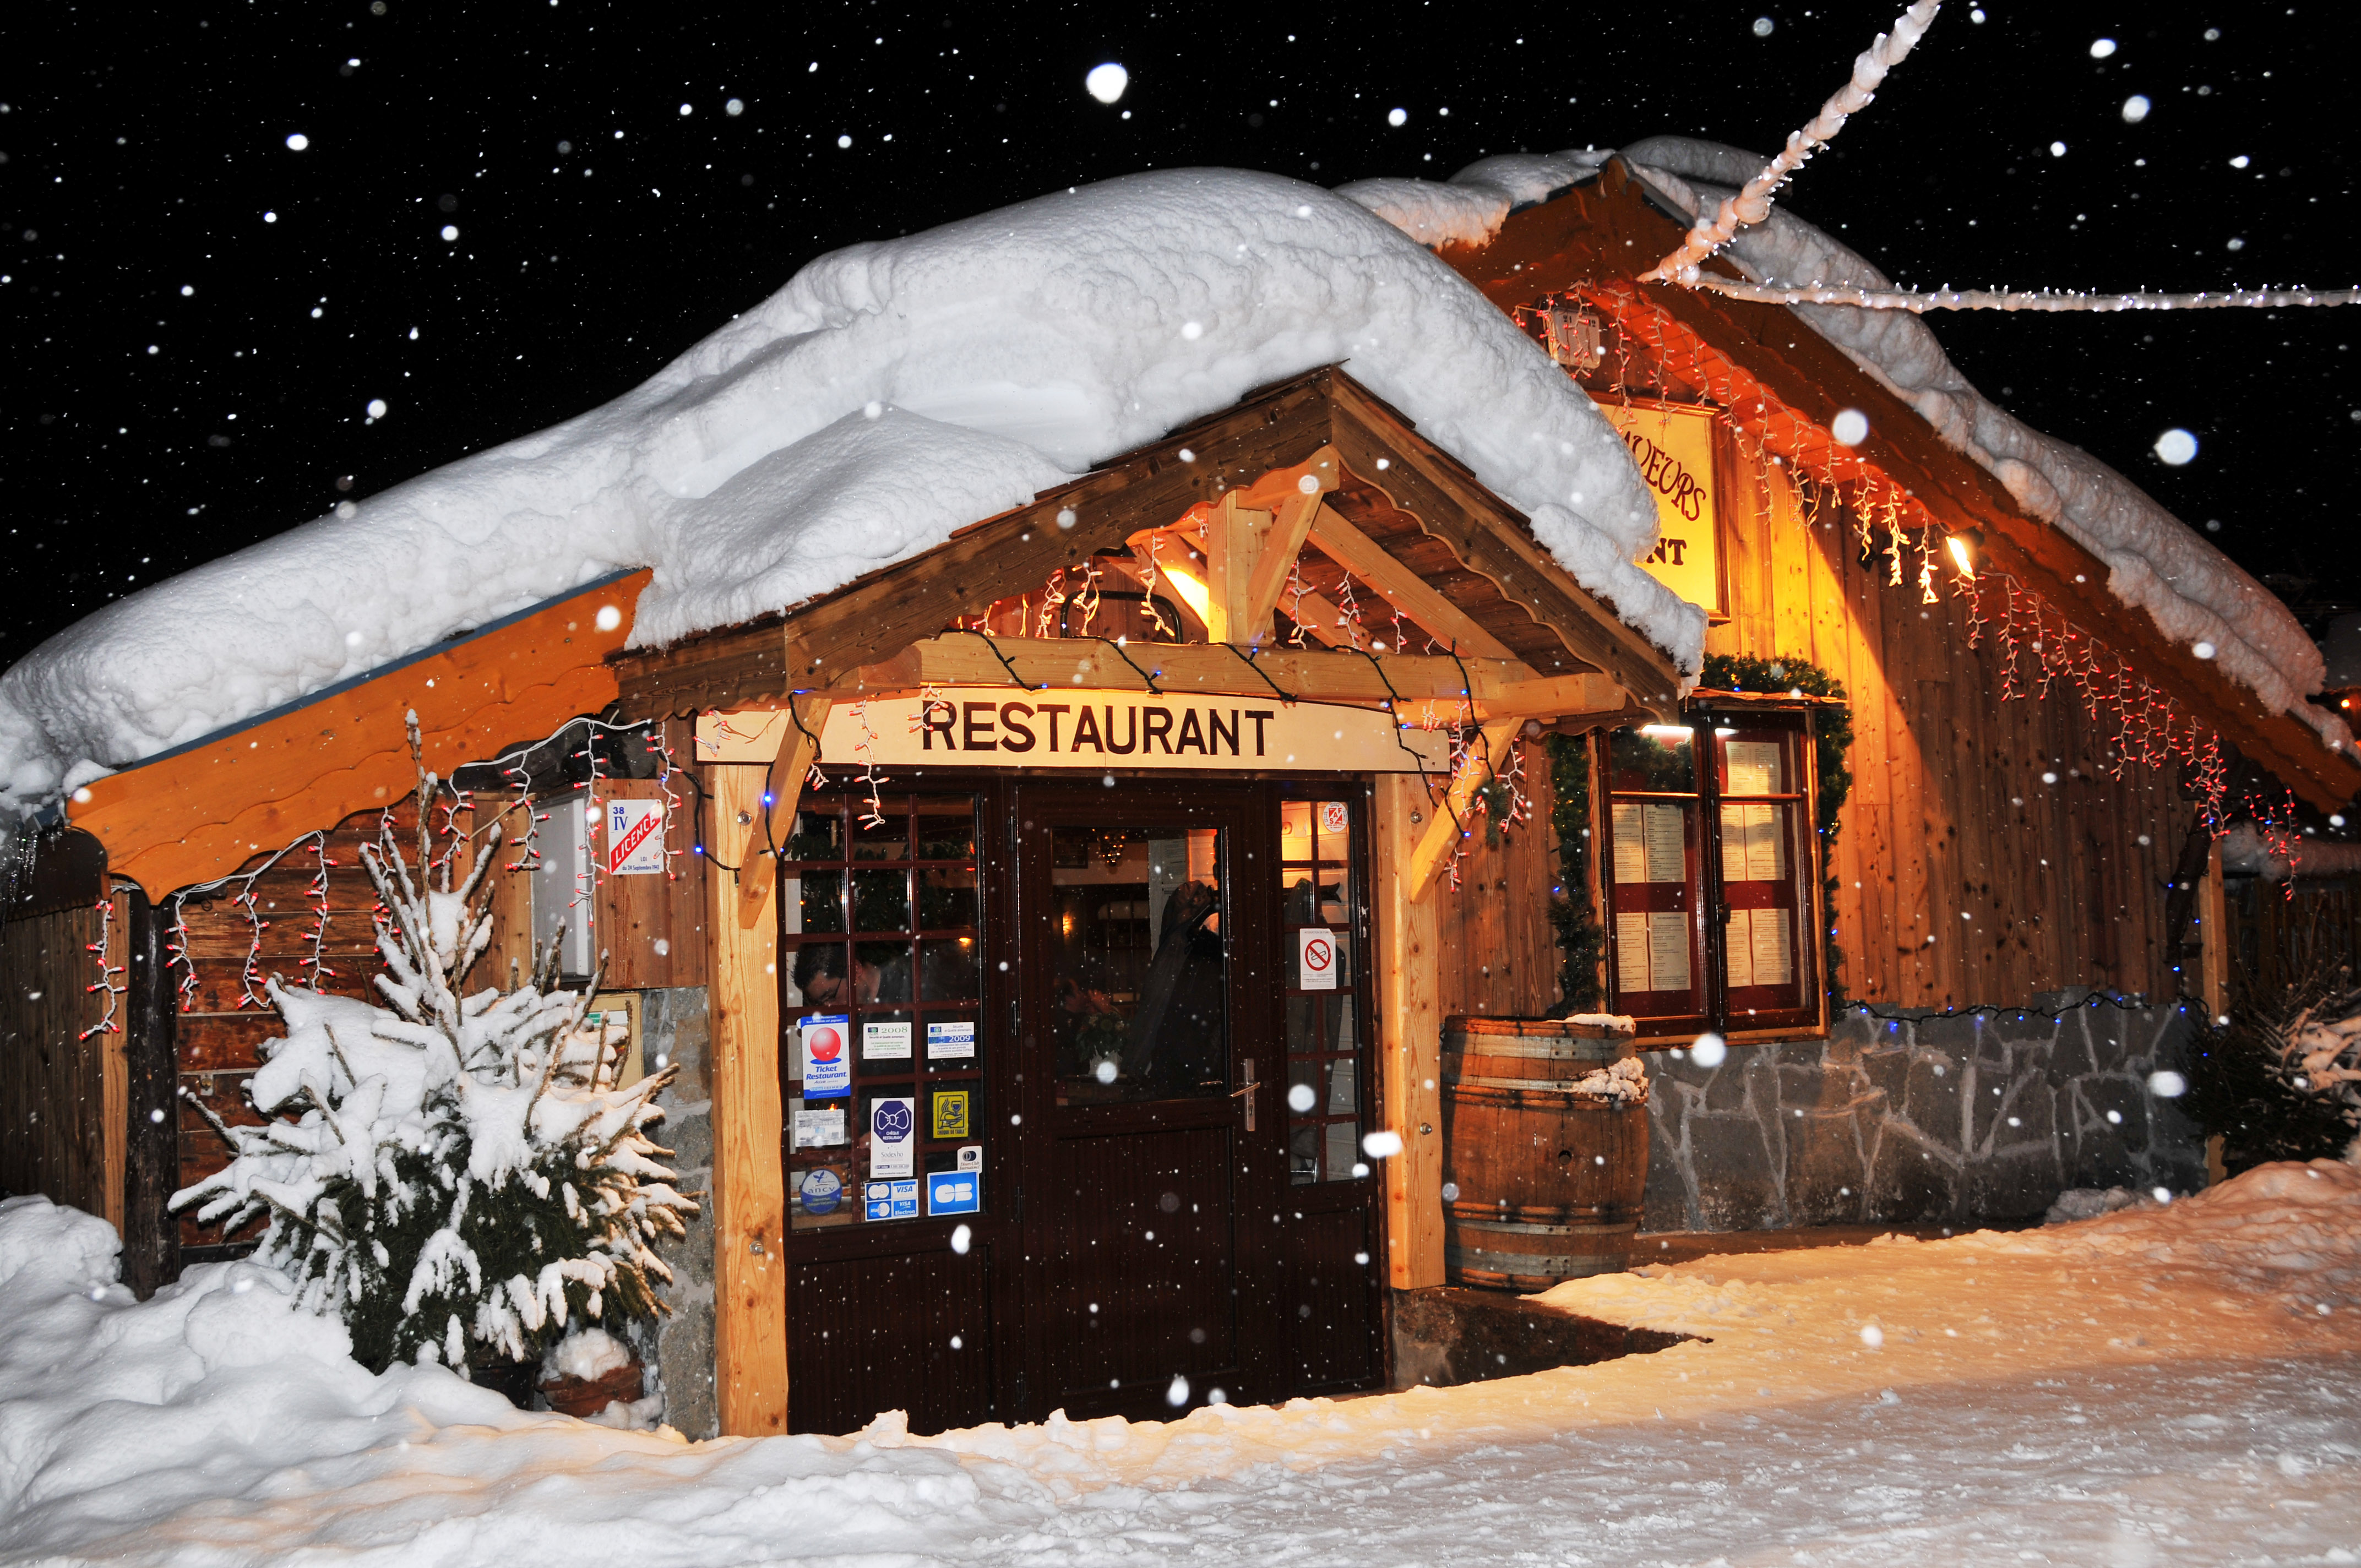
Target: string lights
(107,1023)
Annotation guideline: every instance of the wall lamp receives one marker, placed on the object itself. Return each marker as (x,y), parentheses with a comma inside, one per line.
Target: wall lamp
(1964,546)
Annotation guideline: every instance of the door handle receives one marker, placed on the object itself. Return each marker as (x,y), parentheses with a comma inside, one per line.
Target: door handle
(1247,1090)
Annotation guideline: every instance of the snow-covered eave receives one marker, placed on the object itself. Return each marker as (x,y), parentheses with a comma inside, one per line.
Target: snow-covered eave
(1566,227)
(871,619)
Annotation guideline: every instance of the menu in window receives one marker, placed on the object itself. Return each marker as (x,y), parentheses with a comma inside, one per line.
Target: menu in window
(1631,850)
(1754,767)
(1773,949)
(1737,945)
(1668,952)
(1751,844)
(1648,844)
(1631,952)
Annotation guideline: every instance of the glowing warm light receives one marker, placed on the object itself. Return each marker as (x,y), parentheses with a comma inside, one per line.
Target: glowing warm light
(1674,731)
(1190,588)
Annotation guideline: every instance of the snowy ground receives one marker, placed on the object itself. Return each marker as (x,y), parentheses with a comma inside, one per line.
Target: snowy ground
(2175,1385)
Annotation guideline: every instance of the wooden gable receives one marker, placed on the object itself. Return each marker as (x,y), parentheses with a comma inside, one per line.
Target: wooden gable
(1594,239)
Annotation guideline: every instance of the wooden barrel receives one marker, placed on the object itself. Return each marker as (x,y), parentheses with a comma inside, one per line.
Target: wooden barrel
(1541,1182)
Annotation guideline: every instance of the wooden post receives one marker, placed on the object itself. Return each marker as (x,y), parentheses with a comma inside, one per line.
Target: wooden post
(113,1074)
(151,1237)
(1409,1035)
(750,1201)
(2214,931)
(1235,536)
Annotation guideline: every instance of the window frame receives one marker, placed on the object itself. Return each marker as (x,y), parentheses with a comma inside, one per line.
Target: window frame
(1706,899)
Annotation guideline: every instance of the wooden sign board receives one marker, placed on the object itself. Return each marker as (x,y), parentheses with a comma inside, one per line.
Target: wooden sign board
(1672,444)
(1090,729)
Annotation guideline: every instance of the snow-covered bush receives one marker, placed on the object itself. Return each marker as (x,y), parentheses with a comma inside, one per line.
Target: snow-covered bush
(449,1171)
(2281,1077)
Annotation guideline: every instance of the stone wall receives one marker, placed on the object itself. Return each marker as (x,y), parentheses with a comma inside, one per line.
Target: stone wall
(1921,1119)
(672,1028)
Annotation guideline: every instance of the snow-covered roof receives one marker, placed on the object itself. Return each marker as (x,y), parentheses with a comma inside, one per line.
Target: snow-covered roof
(891,393)
(2157,563)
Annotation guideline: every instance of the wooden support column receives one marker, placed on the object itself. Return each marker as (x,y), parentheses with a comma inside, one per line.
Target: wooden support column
(1234,540)
(750,1201)
(2214,931)
(1409,1036)
(151,1237)
(114,1068)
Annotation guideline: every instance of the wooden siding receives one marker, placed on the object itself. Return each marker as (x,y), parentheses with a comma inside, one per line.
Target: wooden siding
(1949,832)
(1496,952)
(53,1082)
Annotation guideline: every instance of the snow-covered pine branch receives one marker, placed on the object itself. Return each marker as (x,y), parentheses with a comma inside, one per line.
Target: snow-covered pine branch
(449,1171)
(1918,302)
(1752,203)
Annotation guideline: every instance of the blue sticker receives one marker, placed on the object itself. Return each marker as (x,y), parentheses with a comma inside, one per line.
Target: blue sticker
(954,1191)
(821,1189)
(892,1199)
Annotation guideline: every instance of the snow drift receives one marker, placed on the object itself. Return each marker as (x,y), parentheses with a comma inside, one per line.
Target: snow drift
(890,393)
(2177,1371)
(2193,592)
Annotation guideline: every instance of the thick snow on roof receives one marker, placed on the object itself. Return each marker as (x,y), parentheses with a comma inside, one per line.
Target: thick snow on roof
(2194,593)
(889,394)
(2170,1384)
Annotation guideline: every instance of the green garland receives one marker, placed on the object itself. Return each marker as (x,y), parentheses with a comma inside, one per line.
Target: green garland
(1580,938)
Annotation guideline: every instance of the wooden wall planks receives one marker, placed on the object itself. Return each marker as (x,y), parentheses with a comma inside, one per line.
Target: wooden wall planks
(54,1135)
(1951,831)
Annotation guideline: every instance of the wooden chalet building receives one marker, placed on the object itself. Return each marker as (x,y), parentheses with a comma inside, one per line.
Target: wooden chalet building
(1145,870)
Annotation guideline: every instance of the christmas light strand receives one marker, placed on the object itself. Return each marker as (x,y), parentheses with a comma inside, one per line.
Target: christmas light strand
(107,1023)
(1948,299)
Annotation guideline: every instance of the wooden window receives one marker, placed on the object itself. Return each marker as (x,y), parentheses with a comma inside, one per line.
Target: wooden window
(1710,879)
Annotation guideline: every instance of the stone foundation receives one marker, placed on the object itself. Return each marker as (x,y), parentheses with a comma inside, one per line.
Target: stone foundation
(1921,1119)
(672,1028)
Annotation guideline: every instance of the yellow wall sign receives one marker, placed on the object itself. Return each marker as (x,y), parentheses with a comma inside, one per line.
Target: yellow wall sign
(951,1118)
(1673,445)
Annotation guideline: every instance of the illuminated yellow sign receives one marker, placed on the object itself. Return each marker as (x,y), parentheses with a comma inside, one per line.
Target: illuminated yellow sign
(1673,446)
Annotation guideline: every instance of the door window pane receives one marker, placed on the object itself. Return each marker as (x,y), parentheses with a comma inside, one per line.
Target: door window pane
(1142,968)
(1319,959)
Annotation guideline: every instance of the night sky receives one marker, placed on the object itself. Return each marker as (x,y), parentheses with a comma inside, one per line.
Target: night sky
(502,215)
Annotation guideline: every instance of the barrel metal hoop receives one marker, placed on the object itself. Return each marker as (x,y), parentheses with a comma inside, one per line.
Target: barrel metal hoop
(1518,1227)
(1532,1264)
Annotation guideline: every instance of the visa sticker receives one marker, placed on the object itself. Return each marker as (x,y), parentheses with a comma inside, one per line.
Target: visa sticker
(891,1199)
(826,1045)
(954,1191)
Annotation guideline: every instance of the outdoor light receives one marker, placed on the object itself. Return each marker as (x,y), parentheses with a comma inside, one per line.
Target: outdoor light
(1963,546)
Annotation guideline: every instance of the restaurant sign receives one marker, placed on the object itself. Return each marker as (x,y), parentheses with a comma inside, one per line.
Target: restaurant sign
(1004,727)
(1672,444)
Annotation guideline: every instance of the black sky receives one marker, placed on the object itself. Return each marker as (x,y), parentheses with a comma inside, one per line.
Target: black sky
(198,316)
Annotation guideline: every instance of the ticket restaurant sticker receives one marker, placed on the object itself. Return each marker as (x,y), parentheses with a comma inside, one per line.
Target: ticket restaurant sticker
(826,1055)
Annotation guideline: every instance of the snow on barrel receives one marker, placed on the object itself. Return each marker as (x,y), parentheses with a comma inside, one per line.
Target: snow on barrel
(1544,1149)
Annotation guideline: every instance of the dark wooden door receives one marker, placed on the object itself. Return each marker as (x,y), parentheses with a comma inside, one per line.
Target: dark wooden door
(1151,1048)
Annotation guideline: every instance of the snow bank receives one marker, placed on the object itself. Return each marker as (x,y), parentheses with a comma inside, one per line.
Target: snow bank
(2176,1382)
(890,393)
(2193,592)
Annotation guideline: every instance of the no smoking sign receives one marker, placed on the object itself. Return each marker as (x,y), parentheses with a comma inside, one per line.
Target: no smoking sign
(1316,958)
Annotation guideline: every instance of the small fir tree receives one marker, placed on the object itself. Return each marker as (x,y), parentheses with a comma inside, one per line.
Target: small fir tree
(2281,1080)
(449,1172)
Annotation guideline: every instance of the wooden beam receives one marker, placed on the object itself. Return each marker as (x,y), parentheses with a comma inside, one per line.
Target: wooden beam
(1403,589)
(1409,1038)
(750,1199)
(1237,539)
(1444,830)
(1290,524)
(1500,687)
(114,1061)
(2213,932)
(151,1237)
(783,785)
(199,813)
(1494,540)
